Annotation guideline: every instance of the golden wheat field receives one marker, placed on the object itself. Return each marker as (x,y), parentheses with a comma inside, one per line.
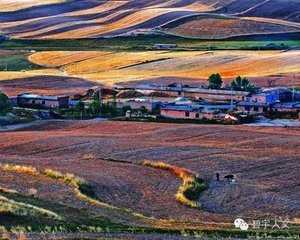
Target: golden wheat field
(111,67)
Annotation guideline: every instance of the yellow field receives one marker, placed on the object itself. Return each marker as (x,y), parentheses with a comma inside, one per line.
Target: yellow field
(13,5)
(9,75)
(112,67)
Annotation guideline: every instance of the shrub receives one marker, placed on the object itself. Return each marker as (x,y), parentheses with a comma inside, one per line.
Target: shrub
(192,185)
(89,156)
(22,209)
(19,168)
(5,105)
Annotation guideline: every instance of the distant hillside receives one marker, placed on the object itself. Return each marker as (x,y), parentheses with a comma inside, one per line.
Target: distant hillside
(209,19)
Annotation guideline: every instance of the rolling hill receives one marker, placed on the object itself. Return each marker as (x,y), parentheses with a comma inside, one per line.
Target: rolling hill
(58,19)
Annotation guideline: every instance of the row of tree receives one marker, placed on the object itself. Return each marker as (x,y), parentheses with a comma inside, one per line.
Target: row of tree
(239,84)
(96,109)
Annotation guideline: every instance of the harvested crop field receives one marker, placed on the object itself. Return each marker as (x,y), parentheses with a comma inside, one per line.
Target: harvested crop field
(108,156)
(111,67)
(220,28)
(13,5)
(47,85)
(58,19)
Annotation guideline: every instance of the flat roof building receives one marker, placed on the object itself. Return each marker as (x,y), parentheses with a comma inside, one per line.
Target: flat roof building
(46,101)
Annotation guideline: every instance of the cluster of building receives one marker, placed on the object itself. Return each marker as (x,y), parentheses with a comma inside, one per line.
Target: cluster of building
(199,103)
(272,100)
(183,102)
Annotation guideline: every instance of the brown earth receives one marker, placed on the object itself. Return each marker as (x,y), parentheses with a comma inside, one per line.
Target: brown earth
(47,85)
(265,161)
(214,28)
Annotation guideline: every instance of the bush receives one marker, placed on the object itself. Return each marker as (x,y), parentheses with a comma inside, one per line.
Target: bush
(5,105)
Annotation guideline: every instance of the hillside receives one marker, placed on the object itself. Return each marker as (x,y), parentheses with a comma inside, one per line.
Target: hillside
(107,156)
(58,19)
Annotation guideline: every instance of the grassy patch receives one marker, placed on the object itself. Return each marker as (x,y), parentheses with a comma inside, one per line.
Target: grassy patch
(128,43)
(191,188)
(16,62)
(73,218)
(9,206)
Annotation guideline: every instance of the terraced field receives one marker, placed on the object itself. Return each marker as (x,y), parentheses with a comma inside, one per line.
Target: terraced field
(109,160)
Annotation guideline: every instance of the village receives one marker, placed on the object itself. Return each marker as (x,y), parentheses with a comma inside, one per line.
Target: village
(166,103)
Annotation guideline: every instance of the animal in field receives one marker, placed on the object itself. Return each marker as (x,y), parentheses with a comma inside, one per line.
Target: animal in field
(229,177)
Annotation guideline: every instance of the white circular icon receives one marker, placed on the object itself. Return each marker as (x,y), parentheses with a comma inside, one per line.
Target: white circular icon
(238,222)
(244,226)
(241,224)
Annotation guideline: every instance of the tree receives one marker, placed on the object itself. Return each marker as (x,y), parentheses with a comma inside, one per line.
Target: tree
(242,84)
(95,107)
(5,105)
(215,81)
(80,108)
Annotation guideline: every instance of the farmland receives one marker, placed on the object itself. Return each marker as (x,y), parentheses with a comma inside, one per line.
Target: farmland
(155,179)
(12,5)
(110,160)
(92,19)
(106,67)
(115,67)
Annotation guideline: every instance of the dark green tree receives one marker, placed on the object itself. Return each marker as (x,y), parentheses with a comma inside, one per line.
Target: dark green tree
(5,104)
(242,84)
(80,108)
(215,81)
(95,107)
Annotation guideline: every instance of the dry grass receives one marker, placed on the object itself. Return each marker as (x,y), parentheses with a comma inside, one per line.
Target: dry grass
(22,209)
(89,156)
(76,183)
(188,193)
(19,168)
(7,190)
(68,178)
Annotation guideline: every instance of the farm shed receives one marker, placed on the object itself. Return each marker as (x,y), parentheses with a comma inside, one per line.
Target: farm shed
(27,99)
(185,112)
(196,92)
(252,107)
(139,103)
